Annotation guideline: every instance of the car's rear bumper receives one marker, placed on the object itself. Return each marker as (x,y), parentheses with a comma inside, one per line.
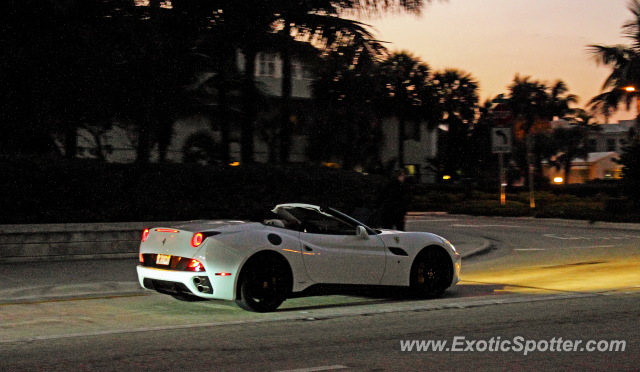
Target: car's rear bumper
(186,282)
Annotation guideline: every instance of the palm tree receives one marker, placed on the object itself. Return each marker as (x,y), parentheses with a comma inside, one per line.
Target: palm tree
(457,93)
(625,63)
(571,141)
(534,105)
(326,21)
(408,93)
(346,89)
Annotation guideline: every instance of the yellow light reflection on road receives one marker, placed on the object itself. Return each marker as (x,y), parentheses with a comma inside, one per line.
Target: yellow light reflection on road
(589,273)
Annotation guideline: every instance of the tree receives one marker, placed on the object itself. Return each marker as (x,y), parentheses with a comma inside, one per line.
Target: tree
(32,32)
(346,90)
(325,22)
(571,141)
(534,105)
(407,94)
(624,61)
(480,163)
(630,160)
(457,94)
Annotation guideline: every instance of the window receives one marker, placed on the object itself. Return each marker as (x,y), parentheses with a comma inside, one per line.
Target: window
(611,144)
(267,65)
(412,130)
(300,71)
(321,223)
(592,145)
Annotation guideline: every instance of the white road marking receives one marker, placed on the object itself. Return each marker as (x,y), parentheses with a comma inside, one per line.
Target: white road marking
(431,220)
(545,249)
(226,307)
(570,237)
(565,237)
(511,226)
(313,369)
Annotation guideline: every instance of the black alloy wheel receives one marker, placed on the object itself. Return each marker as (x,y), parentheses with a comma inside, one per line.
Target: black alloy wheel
(263,286)
(431,273)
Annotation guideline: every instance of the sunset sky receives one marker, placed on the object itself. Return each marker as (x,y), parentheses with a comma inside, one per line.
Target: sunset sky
(496,39)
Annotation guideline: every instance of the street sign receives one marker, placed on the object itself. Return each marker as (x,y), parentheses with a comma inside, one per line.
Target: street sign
(501,114)
(501,140)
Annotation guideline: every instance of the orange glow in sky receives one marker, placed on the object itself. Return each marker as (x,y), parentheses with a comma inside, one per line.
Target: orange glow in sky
(496,39)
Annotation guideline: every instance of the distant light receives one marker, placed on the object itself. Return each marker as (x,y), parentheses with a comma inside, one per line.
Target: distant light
(234,164)
(331,165)
(558,180)
(446,177)
(630,89)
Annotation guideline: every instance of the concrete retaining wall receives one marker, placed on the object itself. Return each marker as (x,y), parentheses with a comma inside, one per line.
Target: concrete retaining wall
(53,242)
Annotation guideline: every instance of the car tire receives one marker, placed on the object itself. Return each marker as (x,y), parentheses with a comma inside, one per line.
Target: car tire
(264,285)
(431,273)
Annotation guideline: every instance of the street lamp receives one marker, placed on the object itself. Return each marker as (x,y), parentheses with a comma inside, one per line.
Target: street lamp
(632,89)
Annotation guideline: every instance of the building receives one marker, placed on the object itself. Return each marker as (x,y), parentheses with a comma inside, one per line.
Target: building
(611,137)
(597,166)
(117,144)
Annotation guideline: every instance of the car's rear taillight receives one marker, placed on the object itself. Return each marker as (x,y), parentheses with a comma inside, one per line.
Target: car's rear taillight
(197,239)
(145,235)
(141,258)
(195,265)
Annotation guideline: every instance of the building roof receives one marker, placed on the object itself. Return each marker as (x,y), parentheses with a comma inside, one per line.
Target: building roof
(622,126)
(596,156)
(614,128)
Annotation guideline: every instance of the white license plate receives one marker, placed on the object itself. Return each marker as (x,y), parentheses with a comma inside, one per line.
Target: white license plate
(163,259)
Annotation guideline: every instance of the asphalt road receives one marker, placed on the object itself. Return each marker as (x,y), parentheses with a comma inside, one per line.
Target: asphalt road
(539,280)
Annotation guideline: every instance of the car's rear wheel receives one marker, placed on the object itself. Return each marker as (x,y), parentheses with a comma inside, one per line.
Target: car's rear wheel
(431,273)
(264,285)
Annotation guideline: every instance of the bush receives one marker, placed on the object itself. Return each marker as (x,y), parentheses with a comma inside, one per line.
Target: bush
(79,191)
(491,208)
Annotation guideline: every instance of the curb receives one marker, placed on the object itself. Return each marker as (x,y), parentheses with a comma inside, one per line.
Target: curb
(484,248)
(70,292)
(555,221)
(69,257)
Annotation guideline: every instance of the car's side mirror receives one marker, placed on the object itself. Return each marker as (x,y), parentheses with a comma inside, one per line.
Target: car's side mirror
(361,232)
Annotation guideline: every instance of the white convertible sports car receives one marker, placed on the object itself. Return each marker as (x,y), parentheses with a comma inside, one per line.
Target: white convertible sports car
(261,264)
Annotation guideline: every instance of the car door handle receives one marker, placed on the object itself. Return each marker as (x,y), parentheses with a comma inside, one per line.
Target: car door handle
(308,249)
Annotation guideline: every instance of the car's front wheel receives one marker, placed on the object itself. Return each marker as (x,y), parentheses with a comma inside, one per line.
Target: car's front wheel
(431,273)
(263,286)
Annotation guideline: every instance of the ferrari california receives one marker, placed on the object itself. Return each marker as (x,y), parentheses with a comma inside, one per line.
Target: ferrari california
(261,264)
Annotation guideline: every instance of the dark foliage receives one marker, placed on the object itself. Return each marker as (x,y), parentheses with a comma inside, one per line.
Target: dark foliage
(54,192)
(630,159)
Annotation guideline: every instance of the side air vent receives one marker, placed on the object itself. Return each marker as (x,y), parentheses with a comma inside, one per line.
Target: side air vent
(398,251)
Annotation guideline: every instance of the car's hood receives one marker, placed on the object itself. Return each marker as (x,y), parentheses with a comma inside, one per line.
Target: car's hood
(219,225)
